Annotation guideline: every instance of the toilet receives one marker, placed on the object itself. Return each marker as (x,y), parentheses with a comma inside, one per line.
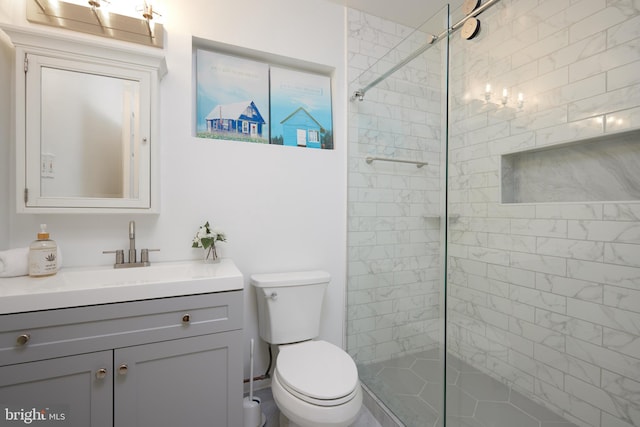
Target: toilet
(314,383)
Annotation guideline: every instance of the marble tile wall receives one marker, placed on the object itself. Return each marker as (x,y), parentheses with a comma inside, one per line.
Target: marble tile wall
(546,296)
(394,270)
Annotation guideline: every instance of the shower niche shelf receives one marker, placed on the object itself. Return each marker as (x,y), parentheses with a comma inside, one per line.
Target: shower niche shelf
(602,169)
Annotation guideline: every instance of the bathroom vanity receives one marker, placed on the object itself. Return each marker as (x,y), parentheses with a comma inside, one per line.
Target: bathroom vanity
(154,346)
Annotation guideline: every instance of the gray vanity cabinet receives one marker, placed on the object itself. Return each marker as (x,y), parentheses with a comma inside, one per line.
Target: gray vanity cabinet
(160,362)
(65,388)
(187,382)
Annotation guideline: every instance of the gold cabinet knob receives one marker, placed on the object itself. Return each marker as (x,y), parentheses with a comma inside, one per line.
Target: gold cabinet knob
(23,339)
(123,369)
(186,318)
(101,373)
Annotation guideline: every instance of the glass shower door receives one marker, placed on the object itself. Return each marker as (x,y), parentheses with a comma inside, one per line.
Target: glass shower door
(397,147)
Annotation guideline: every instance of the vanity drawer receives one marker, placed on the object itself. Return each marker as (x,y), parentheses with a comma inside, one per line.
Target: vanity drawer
(41,335)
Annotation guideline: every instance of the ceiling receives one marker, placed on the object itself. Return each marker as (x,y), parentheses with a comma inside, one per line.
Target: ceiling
(412,13)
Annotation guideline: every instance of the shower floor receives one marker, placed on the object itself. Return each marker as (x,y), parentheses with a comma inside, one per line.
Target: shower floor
(411,388)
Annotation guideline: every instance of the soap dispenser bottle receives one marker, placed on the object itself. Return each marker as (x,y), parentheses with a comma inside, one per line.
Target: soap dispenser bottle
(43,255)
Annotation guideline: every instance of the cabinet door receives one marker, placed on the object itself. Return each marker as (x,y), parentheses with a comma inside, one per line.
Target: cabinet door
(69,391)
(193,382)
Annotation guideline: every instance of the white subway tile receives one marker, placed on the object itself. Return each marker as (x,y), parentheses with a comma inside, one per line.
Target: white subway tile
(569,248)
(571,404)
(572,131)
(488,255)
(587,392)
(609,102)
(513,341)
(605,358)
(579,289)
(627,299)
(539,263)
(568,364)
(539,227)
(512,308)
(595,23)
(609,420)
(569,211)
(623,76)
(622,342)
(511,275)
(628,277)
(510,242)
(540,48)
(623,254)
(517,378)
(622,212)
(574,52)
(619,385)
(569,325)
(625,31)
(536,298)
(606,231)
(611,317)
(608,59)
(540,371)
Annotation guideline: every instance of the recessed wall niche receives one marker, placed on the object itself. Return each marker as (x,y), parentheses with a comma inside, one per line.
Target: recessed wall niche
(606,168)
(250,96)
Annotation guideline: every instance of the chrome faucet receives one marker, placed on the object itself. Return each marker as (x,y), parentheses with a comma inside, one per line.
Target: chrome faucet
(132,258)
(132,242)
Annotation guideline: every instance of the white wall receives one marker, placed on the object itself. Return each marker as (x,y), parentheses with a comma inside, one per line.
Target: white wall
(282,208)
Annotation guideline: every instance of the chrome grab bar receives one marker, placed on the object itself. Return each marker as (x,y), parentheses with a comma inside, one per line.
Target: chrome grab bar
(418,164)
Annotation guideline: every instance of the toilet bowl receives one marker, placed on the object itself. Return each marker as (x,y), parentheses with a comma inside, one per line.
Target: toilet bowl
(315,384)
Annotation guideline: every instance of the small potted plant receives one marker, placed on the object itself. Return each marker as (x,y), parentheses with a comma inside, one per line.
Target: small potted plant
(206,238)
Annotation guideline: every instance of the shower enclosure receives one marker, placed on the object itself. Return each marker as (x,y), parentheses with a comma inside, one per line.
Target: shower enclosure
(493,270)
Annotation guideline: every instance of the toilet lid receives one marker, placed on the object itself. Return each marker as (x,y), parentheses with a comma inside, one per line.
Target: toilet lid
(317,369)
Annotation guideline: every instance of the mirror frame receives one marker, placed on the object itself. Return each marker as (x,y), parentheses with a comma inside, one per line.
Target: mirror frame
(135,61)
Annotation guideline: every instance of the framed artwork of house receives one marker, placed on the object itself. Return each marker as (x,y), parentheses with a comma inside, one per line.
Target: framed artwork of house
(232,98)
(300,109)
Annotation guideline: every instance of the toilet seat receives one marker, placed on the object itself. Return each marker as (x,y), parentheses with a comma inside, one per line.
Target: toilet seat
(317,372)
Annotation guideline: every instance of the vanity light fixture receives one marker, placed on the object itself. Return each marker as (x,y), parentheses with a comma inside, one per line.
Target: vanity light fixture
(106,18)
(505,96)
(520,100)
(95,4)
(147,14)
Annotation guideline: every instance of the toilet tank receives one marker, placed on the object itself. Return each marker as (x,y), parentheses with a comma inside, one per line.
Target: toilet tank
(290,305)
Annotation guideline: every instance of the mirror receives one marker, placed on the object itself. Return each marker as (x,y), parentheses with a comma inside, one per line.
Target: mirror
(85,126)
(96,158)
(86,129)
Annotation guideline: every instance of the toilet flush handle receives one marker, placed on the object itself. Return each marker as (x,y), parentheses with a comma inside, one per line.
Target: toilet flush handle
(272,295)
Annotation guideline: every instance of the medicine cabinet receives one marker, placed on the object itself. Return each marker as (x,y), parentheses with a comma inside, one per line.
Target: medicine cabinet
(86,119)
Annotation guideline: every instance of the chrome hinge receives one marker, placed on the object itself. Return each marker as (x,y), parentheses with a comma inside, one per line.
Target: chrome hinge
(26,195)
(26,63)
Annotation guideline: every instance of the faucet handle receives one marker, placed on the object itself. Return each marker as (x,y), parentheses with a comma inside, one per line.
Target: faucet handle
(119,255)
(144,254)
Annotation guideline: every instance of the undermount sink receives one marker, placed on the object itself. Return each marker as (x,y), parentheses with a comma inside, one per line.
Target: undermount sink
(100,285)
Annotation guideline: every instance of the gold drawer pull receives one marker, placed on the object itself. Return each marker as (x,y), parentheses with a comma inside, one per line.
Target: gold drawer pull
(186,318)
(23,339)
(101,373)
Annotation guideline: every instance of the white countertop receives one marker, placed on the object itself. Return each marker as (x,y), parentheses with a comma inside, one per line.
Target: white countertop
(72,287)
